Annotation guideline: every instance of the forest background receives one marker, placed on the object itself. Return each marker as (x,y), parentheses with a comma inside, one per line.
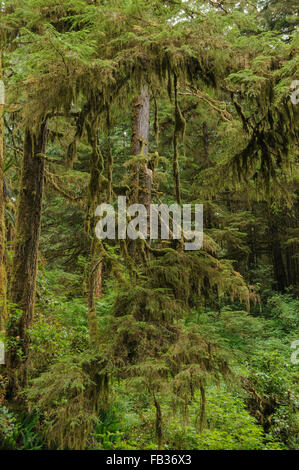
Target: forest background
(143,345)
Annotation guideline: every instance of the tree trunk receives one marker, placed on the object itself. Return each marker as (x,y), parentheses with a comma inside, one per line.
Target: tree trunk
(139,146)
(142,176)
(159,425)
(94,288)
(24,269)
(94,192)
(2,216)
(202,420)
(277,257)
(98,282)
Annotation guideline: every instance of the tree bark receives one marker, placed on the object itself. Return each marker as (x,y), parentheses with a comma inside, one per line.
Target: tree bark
(139,146)
(277,255)
(94,289)
(2,218)
(142,175)
(24,268)
(202,420)
(159,426)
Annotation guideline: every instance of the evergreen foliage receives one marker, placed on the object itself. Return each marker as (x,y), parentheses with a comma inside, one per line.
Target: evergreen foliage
(119,345)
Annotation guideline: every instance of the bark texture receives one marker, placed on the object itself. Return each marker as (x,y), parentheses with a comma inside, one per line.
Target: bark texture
(142,175)
(24,269)
(139,146)
(2,219)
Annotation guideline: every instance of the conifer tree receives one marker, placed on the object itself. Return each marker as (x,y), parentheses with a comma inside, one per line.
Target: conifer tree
(221,83)
(24,269)
(2,207)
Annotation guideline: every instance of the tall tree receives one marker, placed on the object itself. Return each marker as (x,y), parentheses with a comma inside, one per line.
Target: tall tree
(142,175)
(24,268)
(2,208)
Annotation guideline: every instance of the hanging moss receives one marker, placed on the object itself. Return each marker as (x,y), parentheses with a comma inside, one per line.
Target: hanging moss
(70,395)
(179,130)
(96,169)
(156,121)
(109,159)
(96,258)
(271,137)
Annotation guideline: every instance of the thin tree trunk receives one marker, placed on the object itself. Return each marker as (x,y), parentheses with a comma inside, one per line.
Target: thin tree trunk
(93,289)
(179,128)
(280,275)
(24,269)
(2,214)
(95,189)
(98,282)
(206,148)
(159,425)
(202,420)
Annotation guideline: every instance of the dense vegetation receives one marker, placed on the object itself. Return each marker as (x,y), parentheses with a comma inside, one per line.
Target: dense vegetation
(122,344)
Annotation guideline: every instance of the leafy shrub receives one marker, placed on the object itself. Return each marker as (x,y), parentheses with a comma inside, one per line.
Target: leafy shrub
(18,431)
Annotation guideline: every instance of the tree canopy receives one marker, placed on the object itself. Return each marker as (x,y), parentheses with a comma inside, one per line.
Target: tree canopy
(140,344)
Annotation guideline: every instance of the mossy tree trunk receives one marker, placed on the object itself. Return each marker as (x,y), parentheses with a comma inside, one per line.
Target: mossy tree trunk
(94,197)
(2,217)
(142,175)
(93,280)
(139,146)
(24,268)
